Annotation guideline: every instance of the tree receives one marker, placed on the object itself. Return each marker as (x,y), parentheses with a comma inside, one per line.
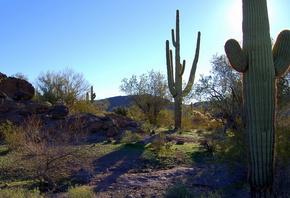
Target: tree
(175,83)
(223,92)
(149,93)
(20,76)
(64,87)
(283,94)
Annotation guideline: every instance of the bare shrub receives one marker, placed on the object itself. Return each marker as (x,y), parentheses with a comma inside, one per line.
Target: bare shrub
(52,156)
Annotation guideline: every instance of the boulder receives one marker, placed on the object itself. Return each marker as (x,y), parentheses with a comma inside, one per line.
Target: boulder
(22,95)
(112,131)
(82,176)
(37,107)
(59,112)
(9,106)
(16,88)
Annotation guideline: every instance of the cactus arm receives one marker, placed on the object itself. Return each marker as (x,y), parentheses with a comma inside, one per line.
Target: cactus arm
(173,38)
(236,56)
(182,68)
(170,70)
(193,68)
(281,53)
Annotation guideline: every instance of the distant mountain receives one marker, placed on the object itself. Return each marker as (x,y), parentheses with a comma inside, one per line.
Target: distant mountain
(117,101)
(123,101)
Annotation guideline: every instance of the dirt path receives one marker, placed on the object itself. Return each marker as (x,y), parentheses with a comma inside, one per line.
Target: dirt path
(115,176)
(118,183)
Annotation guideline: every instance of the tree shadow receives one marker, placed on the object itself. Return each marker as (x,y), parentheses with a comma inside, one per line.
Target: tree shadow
(117,163)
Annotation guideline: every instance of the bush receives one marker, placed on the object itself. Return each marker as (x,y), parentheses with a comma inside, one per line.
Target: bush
(80,192)
(130,138)
(148,127)
(83,107)
(159,143)
(166,118)
(12,135)
(179,190)
(232,147)
(19,193)
(282,140)
(121,110)
(282,157)
(51,157)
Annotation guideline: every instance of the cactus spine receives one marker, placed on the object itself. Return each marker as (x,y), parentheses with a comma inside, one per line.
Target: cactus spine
(260,67)
(175,84)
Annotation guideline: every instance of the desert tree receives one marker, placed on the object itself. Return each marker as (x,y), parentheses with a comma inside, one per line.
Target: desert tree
(65,86)
(222,92)
(149,93)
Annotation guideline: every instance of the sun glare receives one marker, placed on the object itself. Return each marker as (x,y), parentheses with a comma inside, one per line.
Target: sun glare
(235,15)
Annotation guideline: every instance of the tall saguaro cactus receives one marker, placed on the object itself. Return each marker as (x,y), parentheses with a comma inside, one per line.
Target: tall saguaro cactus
(93,95)
(175,84)
(260,66)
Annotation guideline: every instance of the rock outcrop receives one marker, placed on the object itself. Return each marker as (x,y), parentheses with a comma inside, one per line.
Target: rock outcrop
(16,106)
(15,88)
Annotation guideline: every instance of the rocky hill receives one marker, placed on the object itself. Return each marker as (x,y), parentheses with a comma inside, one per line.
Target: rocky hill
(123,101)
(16,105)
(117,101)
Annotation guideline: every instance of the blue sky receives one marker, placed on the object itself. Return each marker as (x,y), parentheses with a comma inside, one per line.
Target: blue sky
(108,40)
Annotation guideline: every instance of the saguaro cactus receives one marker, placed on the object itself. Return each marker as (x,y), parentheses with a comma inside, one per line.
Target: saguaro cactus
(93,95)
(260,66)
(175,85)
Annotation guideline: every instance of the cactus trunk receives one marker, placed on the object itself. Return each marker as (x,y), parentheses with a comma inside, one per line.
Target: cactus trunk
(175,78)
(260,70)
(259,96)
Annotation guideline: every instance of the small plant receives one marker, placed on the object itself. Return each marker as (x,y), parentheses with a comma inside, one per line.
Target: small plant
(149,127)
(20,193)
(159,143)
(80,192)
(130,138)
(13,136)
(121,110)
(179,190)
(83,106)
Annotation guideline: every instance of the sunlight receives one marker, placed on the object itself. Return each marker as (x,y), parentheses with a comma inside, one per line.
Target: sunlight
(235,14)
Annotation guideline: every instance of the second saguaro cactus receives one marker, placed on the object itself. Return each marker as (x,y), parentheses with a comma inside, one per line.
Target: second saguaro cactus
(175,78)
(93,95)
(260,66)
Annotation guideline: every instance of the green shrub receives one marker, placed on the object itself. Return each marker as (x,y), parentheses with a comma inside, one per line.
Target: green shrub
(121,110)
(20,193)
(83,107)
(179,190)
(12,134)
(159,143)
(232,148)
(130,138)
(282,140)
(165,118)
(80,192)
(148,127)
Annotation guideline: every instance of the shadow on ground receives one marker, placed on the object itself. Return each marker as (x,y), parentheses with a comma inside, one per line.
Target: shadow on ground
(111,166)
